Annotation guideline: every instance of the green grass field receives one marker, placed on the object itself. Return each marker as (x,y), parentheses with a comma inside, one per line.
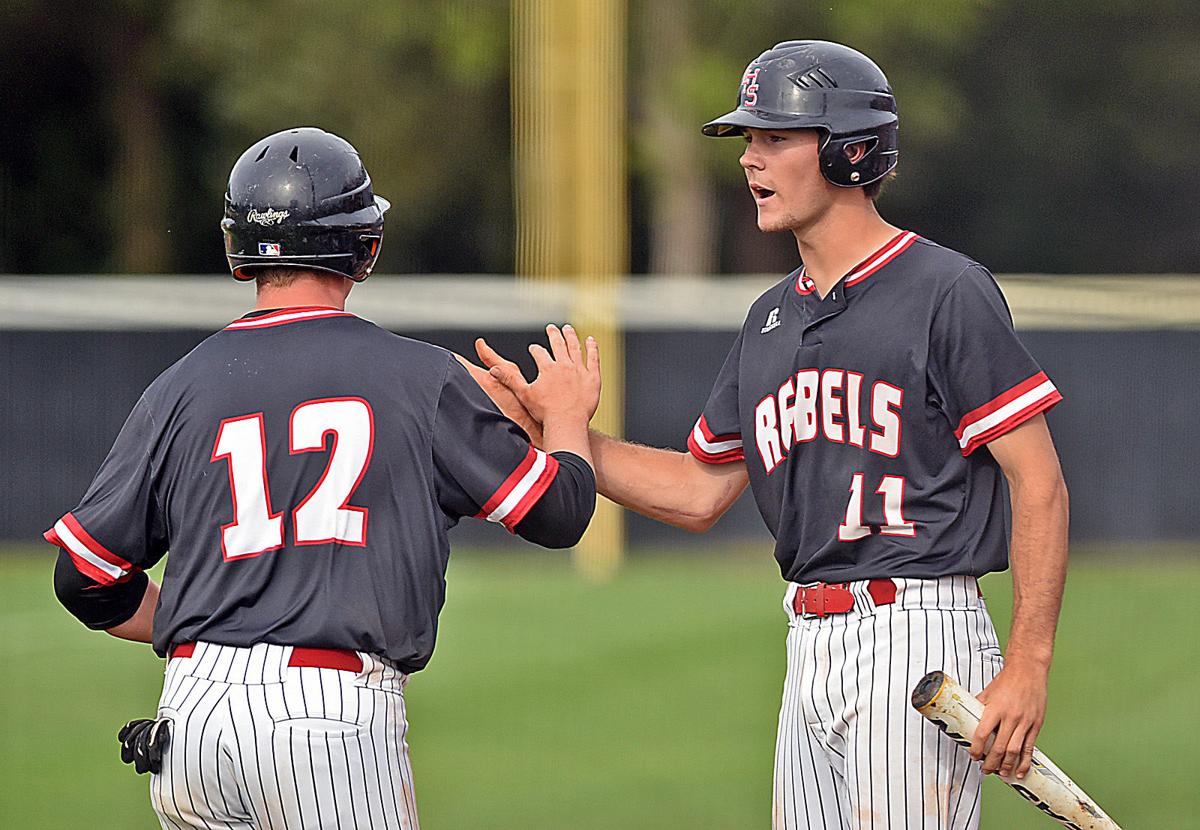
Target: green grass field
(649,702)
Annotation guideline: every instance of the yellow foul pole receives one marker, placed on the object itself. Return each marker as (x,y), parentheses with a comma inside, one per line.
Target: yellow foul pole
(568,104)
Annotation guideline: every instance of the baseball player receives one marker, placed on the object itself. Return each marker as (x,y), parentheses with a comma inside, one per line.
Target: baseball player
(303,467)
(875,401)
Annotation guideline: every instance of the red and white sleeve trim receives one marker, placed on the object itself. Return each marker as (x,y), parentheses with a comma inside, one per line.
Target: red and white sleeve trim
(287,315)
(714,449)
(1006,411)
(91,558)
(521,490)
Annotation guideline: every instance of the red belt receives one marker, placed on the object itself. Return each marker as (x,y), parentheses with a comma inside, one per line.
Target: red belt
(321,658)
(826,598)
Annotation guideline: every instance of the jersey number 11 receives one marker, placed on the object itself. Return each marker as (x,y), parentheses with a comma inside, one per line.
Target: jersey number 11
(325,514)
(892,490)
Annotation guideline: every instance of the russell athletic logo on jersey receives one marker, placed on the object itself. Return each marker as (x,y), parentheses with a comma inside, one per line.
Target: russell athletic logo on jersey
(772,321)
(833,403)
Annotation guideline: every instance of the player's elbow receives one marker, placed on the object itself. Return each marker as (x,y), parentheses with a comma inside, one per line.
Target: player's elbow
(98,607)
(703,495)
(691,519)
(697,522)
(1061,495)
(1062,498)
(564,535)
(705,509)
(1046,491)
(561,531)
(562,514)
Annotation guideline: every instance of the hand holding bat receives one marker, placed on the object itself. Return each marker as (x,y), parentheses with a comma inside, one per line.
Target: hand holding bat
(957,713)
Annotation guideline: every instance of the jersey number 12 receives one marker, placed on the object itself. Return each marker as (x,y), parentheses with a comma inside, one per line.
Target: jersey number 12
(325,514)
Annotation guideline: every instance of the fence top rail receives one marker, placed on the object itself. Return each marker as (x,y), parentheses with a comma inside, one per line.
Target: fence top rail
(491,303)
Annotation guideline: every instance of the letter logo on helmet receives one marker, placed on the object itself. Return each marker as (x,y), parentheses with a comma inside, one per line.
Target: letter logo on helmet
(815,84)
(302,198)
(749,93)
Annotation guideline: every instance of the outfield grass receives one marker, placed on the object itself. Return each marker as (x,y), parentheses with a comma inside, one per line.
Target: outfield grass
(649,702)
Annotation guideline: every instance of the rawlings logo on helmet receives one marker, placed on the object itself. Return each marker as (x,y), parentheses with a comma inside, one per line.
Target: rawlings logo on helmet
(268,217)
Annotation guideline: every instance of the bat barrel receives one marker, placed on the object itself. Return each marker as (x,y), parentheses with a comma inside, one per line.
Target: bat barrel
(927,689)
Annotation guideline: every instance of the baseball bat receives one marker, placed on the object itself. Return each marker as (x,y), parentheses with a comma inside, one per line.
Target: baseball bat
(957,712)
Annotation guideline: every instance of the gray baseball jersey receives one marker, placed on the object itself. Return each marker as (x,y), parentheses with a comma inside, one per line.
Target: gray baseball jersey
(863,417)
(303,467)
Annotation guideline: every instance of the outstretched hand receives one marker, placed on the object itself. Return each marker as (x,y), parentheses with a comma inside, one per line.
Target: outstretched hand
(1014,710)
(501,395)
(568,381)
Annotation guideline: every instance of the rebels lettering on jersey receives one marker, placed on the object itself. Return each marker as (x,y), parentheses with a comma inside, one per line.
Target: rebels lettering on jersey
(863,416)
(826,404)
(304,467)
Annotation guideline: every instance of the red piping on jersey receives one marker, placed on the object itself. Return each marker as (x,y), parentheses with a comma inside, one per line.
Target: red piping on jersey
(724,457)
(82,565)
(1041,404)
(716,439)
(804,283)
(997,402)
(95,548)
(539,488)
(509,483)
(1012,422)
(287,315)
(535,490)
(727,457)
(895,246)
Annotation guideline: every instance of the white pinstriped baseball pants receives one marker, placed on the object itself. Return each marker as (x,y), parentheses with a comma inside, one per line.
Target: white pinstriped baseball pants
(256,743)
(851,752)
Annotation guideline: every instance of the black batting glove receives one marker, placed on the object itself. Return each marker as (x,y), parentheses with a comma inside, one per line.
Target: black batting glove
(143,742)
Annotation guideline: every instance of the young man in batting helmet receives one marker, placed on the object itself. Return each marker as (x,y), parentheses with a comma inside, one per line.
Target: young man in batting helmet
(875,401)
(303,467)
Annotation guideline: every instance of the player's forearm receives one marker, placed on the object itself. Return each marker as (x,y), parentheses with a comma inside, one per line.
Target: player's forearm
(140,627)
(664,484)
(1039,566)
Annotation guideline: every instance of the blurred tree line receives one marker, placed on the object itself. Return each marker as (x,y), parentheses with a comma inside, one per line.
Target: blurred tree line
(1055,137)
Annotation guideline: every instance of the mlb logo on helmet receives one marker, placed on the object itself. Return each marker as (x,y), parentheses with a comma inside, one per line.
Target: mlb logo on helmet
(269,249)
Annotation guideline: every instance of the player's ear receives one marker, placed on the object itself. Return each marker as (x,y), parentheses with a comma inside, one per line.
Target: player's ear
(856,151)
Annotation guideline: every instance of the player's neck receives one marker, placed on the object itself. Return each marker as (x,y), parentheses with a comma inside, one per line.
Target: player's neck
(304,292)
(844,236)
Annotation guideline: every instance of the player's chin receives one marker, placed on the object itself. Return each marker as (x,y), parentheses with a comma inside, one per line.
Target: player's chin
(772,221)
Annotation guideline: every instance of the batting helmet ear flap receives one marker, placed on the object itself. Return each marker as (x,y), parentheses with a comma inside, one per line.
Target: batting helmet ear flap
(873,165)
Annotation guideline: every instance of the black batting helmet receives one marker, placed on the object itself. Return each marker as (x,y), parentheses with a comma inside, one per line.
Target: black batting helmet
(826,86)
(302,198)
